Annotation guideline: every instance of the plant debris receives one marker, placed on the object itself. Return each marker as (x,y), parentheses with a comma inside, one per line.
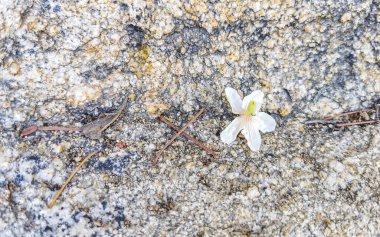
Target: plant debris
(87,158)
(196,141)
(92,130)
(175,136)
(121,145)
(95,129)
(359,117)
(34,128)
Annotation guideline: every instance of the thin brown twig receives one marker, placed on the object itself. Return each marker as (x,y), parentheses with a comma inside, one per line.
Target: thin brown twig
(175,136)
(321,121)
(349,113)
(196,141)
(60,128)
(34,128)
(70,178)
(357,123)
(329,119)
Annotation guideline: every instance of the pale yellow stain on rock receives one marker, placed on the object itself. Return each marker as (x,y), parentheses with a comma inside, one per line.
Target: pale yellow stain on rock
(285,110)
(154,106)
(233,56)
(82,94)
(132,97)
(270,44)
(346,17)
(37,24)
(14,68)
(141,64)
(308,28)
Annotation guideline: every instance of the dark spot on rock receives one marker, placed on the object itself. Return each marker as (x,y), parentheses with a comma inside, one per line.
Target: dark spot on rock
(33,158)
(143,138)
(124,7)
(135,36)
(3,184)
(119,216)
(45,6)
(98,72)
(193,39)
(37,165)
(120,219)
(104,204)
(48,229)
(115,165)
(5,85)
(31,51)
(287,94)
(57,8)
(18,179)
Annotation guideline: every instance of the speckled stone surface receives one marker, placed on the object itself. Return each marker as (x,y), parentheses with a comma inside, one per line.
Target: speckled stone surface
(67,62)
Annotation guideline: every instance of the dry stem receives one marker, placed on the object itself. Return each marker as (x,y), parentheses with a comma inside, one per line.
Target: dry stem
(175,136)
(196,141)
(356,123)
(34,128)
(349,113)
(70,178)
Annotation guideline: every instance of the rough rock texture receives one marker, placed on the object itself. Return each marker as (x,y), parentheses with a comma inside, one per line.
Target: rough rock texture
(67,62)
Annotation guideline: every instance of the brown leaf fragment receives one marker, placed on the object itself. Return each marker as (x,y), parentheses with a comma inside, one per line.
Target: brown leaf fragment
(29,130)
(95,129)
(121,145)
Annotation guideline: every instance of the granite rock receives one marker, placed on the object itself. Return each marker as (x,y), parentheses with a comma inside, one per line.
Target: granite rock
(68,62)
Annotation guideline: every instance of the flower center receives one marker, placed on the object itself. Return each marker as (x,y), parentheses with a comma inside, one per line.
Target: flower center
(251,108)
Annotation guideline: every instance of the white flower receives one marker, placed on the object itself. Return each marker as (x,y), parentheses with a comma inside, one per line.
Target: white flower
(251,121)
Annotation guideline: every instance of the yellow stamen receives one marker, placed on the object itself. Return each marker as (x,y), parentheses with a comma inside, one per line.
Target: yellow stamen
(251,108)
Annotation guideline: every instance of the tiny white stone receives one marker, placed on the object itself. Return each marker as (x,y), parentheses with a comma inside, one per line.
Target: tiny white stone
(256,6)
(331,181)
(253,192)
(337,166)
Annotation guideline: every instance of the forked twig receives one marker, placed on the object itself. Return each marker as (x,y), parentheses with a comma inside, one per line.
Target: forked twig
(70,178)
(196,141)
(349,113)
(175,136)
(92,130)
(340,123)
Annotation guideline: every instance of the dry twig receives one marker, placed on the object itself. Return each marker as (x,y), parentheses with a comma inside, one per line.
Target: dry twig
(350,113)
(92,130)
(358,117)
(175,136)
(87,158)
(34,128)
(196,141)
(356,123)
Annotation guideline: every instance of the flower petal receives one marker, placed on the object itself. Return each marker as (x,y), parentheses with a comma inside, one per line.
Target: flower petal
(264,122)
(257,97)
(252,134)
(229,134)
(234,99)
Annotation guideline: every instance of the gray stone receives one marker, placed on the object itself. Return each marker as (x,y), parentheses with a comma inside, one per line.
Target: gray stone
(68,62)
